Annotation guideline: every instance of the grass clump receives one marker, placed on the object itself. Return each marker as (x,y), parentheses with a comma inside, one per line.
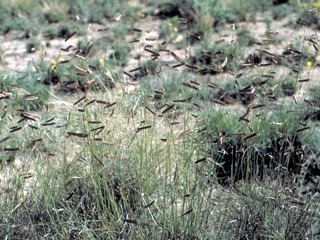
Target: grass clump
(16,15)
(170,88)
(315,93)
(244,148)
(244,38)
(217,57)
(120,54)
(62,30)
(250,213)
(27,91)
(33,46)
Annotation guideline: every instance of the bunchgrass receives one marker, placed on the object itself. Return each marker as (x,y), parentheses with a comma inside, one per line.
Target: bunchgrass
(26,88)
(130,183)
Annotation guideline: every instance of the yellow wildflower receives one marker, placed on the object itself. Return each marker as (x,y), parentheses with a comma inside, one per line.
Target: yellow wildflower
(101,61)
(309,63)
(53,65)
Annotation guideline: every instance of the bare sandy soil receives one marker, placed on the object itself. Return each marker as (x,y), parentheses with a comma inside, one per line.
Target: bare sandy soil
(14,55)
